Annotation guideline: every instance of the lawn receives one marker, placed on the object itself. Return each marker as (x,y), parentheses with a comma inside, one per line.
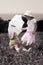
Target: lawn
(11,57)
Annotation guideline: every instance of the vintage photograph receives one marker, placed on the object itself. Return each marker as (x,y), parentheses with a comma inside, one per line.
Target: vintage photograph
(21,32)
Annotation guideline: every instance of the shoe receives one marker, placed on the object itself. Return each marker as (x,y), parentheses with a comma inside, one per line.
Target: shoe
(29,49)
(26,49)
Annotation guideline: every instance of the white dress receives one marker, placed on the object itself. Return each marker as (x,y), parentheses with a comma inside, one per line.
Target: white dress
(29,37)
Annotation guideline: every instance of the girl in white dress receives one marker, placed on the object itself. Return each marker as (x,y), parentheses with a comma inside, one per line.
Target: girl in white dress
(29,36)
